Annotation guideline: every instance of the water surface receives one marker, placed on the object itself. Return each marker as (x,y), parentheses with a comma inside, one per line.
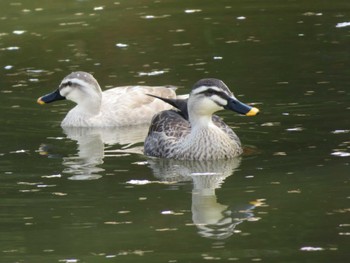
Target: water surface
(89,195)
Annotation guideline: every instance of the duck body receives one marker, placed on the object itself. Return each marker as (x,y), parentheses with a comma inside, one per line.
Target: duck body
(199,143)
(193,132)
(120,106)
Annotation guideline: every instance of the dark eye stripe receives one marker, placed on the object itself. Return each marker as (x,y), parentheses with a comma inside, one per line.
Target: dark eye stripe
(210,92)
(66,84)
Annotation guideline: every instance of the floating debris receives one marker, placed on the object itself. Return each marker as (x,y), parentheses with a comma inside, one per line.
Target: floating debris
(45,185)
(10,48)
(340,131)
(121,45)
(294,129)
(18,32)
(296,191)
(280,154)
(311,249)
(20,151)
(98,8)
(138,182)
(152,73)
(124,212)
(340,154)
(59,194)
(312,14)
(154,17)
(166,229)
(170,212)
(191,11)
(117,223)
(69,260)
(181,44)
(144,182)
(52,176)
(270,124)
(28,183)
(141,163)
(343,24)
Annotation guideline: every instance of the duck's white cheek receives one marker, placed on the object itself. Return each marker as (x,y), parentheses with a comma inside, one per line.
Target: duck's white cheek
(220,101)
(64,91)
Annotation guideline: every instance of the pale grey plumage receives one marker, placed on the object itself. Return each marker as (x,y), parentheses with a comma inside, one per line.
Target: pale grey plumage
(121,106)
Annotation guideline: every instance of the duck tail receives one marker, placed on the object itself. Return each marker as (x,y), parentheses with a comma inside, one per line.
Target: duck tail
(180,104)
(172,102)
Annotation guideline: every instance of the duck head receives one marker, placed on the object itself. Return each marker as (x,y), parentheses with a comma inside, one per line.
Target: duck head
(78,87)
(211,95)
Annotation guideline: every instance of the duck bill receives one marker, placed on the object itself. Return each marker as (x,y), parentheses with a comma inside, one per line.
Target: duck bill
(241,108)
(51,97)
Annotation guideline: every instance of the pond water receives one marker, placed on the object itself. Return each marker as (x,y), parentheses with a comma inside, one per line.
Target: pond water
(89,195)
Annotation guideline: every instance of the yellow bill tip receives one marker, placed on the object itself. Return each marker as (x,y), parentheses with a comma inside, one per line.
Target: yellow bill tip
(40,101)
(254,111)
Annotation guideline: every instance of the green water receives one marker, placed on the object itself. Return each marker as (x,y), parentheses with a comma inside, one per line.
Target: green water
(88,195)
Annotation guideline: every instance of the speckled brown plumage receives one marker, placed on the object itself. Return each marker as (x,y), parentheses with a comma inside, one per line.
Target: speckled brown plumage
(191,132)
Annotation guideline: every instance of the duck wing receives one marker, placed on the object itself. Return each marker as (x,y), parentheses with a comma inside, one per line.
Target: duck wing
(218,121)
(166,130)
(130,105)
(170,123)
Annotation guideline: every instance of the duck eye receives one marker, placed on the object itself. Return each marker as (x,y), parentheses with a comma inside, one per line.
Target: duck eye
(210,92)
(69,83)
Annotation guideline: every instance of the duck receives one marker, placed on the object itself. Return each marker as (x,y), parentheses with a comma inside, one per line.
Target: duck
(115,107)
(191,131)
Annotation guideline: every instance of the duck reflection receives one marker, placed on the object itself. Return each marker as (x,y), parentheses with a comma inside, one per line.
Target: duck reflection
(212,219)
(94,144)
(84,166)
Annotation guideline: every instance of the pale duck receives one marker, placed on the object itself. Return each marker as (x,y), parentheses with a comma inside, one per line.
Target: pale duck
(192,132)
(120,106)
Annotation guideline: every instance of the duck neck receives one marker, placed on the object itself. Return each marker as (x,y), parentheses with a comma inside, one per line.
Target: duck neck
(90,106)
(203,131)
(199,122)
